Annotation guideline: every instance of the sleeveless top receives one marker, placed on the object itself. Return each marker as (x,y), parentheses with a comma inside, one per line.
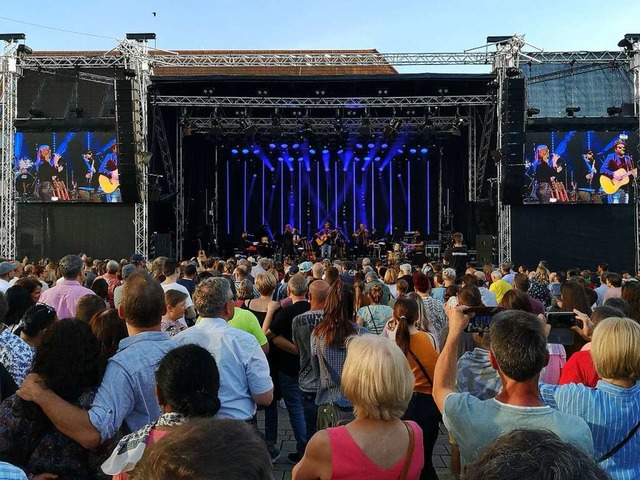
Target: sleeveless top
(349,462)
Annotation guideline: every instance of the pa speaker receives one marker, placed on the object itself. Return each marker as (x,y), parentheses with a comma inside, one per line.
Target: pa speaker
(125,126)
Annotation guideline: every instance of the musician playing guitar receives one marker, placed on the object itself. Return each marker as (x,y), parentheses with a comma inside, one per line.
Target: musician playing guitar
(324,238)
(109,178)
(361,237)
(615,173)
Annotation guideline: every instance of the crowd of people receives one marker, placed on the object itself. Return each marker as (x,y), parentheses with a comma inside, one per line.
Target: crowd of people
(156,369)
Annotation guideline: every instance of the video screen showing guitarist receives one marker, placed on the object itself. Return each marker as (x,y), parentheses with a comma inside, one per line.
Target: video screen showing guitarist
(616,173)
(324,238)
(109,179)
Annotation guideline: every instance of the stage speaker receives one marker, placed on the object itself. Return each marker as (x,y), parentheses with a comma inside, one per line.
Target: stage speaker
(126,118)
(485,249)
(513,141)
(162,242)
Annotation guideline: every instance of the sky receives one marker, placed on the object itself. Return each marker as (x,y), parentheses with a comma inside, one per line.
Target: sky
(407,26)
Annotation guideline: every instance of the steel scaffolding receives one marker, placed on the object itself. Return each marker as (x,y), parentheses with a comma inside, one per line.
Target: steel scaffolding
(9,71)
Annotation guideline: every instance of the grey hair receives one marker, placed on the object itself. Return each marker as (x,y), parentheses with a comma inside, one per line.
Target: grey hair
(211,296)
(112,266)
(71,266)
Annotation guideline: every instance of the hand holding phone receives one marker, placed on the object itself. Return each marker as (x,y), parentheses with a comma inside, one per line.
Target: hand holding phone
(481,318)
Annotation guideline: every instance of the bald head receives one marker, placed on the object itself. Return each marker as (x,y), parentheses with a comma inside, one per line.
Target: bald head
(318,291)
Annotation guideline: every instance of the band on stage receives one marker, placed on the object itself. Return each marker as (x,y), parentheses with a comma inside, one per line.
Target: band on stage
(332,242)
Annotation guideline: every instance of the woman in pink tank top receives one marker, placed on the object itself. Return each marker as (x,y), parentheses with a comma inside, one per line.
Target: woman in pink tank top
(377,445)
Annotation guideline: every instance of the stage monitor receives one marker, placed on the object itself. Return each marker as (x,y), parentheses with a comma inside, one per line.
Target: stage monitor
(66,167)
(580,167)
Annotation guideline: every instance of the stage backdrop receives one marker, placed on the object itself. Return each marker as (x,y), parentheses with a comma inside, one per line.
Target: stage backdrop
(573,236)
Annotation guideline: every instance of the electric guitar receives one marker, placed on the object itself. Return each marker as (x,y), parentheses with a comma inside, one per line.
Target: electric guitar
(109,185)
(611,186)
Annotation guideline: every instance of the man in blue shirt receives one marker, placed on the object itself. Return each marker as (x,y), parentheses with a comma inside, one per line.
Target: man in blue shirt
(243,367)
(126,395)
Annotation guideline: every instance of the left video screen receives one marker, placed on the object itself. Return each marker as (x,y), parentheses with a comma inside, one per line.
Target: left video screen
(65,167)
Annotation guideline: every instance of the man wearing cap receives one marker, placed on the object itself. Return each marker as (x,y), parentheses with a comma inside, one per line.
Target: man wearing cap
(65,295)
(18,268)
(305,269)
(117,292)
(138,261)
(6,273)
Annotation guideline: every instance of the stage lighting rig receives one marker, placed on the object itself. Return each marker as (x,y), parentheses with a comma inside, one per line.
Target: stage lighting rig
(365,126)
(571,111)
(531,111)
(141,37)
(513,72)
(306,131)
(24,49)
(11,37)
(276,124)
(395,124)
(614,111)
(246,125)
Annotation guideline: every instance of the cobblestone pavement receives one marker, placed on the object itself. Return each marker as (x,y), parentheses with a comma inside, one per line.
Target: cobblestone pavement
(287,444)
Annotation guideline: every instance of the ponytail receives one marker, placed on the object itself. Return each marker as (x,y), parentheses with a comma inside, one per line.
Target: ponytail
(405,311)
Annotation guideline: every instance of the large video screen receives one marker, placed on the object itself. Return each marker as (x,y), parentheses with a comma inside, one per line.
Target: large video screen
(580,167)
(66,167)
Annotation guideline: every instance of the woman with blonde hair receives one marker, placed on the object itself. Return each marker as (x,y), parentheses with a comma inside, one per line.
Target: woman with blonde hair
(390,279)
(377,379)
(539,286)
(612,409)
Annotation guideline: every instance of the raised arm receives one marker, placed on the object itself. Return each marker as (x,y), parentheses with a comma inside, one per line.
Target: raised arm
(444,378)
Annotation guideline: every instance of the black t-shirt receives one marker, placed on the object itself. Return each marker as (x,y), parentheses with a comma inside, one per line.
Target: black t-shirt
(288,363)
(457,257)
(187,283)
(544,172)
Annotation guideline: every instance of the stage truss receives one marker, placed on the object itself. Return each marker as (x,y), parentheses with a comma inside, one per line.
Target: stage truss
(138,57)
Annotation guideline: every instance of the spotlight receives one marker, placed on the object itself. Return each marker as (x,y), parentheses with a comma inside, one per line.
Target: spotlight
(23,49)
(306,130)
(320,93)
(383,92)
(234,151)
(531,111)
(424,150)
(35,113)
(325,151)
(272,146)
(513,72)
(247,126)
(276,125)
(571,111)
(295,146)
(614,111)
(284,146)
(358,145)
(341,151)
(384,146)
(493,85)
(77,111)
(412,151)
(208,91)
(371,145)
(377,159)
(263,92)
(392,128)
(312,151)
(245,151)
(256,151)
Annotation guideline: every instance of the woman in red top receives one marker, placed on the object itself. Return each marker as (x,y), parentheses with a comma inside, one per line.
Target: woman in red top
(377,445)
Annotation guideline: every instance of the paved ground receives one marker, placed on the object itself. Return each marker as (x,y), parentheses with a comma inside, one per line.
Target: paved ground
(287,444)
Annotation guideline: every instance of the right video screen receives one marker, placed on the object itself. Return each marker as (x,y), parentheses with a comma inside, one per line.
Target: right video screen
(580,167)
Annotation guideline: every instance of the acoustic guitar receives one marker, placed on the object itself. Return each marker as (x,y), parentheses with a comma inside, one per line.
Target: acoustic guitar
(109,185)
(611,186)
(322,239)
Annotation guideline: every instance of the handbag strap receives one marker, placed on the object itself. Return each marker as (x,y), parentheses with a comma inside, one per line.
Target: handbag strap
(373,321)
(424,370)
(615,449)
(409,457)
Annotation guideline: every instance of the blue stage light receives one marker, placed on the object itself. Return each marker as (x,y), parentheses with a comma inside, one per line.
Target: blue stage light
(234,151)
(357,159)
(377,159)
(272,146)
(280,159)
(312,151)
(295,145)
(412,151)
(424,150)
(358,145)
(399,150)
(371,145)
(284,145)
(308,169)
(384,145)
(255,175)
(245,151)
(300,159)
(341,151)
(325,151)
(256,151)
(326,169)
(367,159)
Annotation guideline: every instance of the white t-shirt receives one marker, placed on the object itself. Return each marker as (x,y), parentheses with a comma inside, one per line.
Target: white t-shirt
(180,288)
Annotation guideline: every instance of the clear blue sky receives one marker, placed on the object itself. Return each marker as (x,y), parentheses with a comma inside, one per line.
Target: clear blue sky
(389,26)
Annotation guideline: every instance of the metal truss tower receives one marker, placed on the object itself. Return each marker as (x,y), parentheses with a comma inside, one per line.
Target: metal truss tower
(9,73)
(634,65)
(138,66)
(507,56)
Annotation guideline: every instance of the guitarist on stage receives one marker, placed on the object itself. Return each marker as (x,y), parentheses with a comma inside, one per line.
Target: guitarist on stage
(324,238)
(109,170)
(615,173)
